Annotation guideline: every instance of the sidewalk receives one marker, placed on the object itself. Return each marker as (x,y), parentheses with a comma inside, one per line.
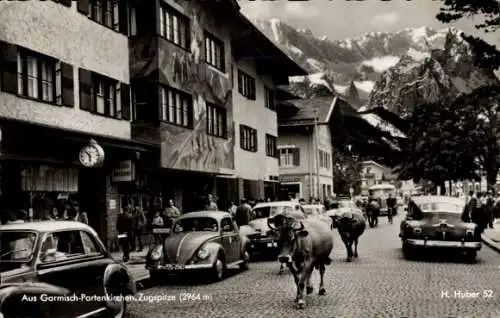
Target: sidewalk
(136,264)
(491,237)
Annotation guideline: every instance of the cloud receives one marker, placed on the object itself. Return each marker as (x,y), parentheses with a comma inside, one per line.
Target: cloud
(301,10)
(385,19)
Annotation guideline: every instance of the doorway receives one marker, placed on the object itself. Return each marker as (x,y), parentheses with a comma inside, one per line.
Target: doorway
(290,189)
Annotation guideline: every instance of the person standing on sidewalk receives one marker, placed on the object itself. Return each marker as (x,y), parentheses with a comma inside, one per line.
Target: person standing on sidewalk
(391,205)
(490,203)
(210,204)
(138,225)
(157,223)
(124,226)
(232,209)
(243,213)
(171,214)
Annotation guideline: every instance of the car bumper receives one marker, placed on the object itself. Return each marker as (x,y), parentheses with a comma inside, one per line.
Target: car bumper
(443,244)
(178,267)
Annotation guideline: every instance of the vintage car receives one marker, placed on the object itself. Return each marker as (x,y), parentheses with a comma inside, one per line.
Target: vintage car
(200,241)
(59,258)
(341,206)
(264,240)
(436,222)
(381,192)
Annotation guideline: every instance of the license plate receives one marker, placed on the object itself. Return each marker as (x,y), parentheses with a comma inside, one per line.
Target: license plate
(174,267)
(273,244)
(122,236)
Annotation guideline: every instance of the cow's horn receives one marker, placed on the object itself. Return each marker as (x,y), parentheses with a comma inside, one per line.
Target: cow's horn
(270,222)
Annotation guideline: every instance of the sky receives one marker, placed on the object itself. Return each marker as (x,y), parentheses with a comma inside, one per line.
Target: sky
(341,19)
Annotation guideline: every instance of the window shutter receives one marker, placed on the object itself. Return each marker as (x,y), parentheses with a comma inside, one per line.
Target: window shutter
(254,133)
(86,100)
(83,6)
(68,91)
(296,156)
(66,3)
(8,60)
(240,82)
(125,99)
(123,16)
(242,137)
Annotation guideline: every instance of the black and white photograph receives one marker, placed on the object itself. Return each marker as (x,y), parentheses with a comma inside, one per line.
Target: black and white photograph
(250,159)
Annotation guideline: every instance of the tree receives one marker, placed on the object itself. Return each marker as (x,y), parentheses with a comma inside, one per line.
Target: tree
(440,145)
(479,111)
(346,172)
(487,55)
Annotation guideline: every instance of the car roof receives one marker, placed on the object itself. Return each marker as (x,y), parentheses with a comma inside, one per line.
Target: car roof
(312,205)
(384,186)
(45,226)
(200,214)
(437,199)
(276,203)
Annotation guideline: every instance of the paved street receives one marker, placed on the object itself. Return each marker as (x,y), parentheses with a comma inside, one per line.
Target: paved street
(379,284)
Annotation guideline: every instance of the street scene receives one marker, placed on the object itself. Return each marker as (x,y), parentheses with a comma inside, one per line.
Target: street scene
(380,283)
(170,158)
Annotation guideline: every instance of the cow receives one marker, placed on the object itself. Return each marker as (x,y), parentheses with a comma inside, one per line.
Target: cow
(306,245)
(350,226)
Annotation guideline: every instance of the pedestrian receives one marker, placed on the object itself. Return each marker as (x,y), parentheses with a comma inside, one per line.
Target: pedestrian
(232,209)
(243,213)
(171,213)
(13,217)
(210,205)
(478,214)
(490,203)
(124,226)
(139,221)
(54,215)
(391,205)
(156,223)
(80,216)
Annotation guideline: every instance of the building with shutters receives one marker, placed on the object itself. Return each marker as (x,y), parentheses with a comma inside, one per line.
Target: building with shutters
(64,81)
(203,93)
(305,147)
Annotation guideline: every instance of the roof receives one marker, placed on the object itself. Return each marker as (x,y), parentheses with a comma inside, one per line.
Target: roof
(276,203)
(200,214)
(308,109)
(438,199)
(45,226)
(282,93)
(371,162)
(382,186)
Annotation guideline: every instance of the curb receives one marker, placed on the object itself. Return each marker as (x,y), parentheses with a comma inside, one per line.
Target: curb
(490,243)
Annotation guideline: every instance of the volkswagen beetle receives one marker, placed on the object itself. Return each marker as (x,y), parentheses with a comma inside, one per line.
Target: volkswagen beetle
(66,263)
(200,241)
(434,222)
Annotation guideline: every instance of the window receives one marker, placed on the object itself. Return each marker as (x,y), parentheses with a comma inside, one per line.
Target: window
(216,121)
(104,95)
(248,138)
(246,85)
(176,107)
(174,27)
(214,52)
(324,159)
(271,150)
(89,244)
(59,246)
(289,157)
(104,12)
(269,98)
(36,76)
(227,225)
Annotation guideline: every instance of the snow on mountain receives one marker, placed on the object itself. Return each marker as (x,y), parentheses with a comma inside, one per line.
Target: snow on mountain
(323,38)
(377,122)
(315,64)
(275,28)
(380,64)
(296,50)
(417,55)
(341,89)
(366,86)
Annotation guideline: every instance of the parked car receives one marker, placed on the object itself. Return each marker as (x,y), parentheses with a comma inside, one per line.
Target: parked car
(207,241)
(317,211)
(59,258)
(434,222)
(340,206)
(263,239)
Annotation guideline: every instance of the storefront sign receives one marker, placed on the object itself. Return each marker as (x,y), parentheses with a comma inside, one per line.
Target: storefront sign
(125,172)
(50,179)
(289,178)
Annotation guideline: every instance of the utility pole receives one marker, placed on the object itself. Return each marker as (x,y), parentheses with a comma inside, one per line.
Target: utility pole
(316,152)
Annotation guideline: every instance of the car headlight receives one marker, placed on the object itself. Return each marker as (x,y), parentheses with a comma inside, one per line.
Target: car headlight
(203,253)
(156,253)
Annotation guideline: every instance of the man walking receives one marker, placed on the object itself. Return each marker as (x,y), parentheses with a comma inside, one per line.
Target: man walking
(139,221)
(243,213)
(391,205)
(124,226)
(171,213)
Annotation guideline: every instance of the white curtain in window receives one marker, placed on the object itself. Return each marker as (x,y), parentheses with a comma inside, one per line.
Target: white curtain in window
(162,20)
(171,107)
(100,108)
(175,25)
(164,104)
(32,75)
(47,82)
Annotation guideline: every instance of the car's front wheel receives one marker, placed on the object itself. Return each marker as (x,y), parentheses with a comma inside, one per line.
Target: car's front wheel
(407,251)
(218,269)
(120,309)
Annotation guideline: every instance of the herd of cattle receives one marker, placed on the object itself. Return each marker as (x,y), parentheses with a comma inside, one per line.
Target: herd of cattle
(307,244)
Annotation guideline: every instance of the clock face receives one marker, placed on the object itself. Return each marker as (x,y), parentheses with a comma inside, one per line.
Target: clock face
(89,156)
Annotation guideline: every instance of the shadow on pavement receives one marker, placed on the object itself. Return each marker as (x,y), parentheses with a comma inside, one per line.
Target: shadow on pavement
(440,256)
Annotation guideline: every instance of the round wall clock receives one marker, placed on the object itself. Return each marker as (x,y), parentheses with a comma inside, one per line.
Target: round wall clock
(91,155)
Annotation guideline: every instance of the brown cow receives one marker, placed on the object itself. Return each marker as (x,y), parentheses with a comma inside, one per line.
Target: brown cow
(306,245)
(350,226)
